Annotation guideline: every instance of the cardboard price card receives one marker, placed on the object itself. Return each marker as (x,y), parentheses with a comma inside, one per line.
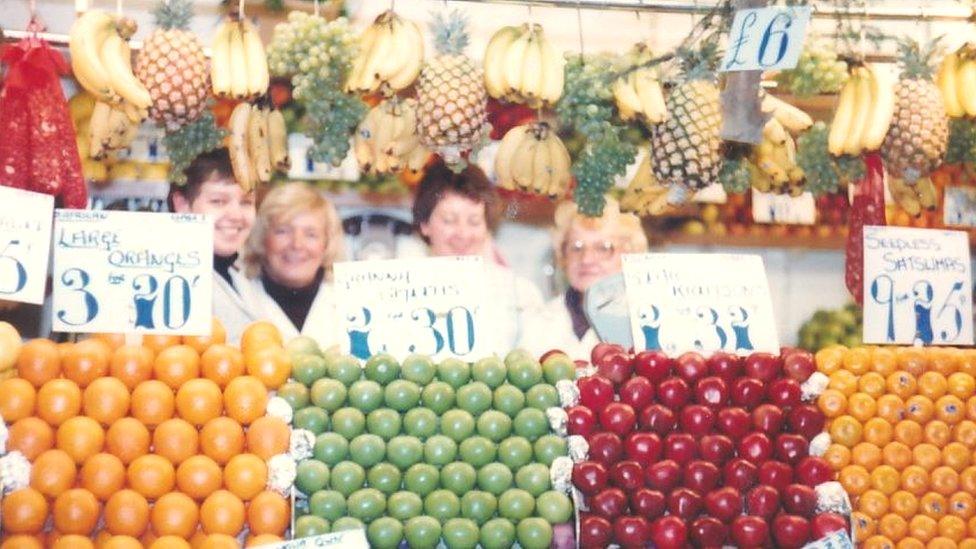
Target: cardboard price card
(25,244)
(433,306)
(763,39)
(917,287)
(783,208)
(128,272)
(959,206)
(699,302)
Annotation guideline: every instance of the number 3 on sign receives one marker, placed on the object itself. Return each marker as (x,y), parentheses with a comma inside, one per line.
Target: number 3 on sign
(766,39)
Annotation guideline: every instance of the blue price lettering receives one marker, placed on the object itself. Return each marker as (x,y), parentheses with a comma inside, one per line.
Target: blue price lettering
(713,330)
(19,272)
(77,280)
(428,318)
(747,22)
(458,325)
(932,322)
(469,331)
(176,301)
(358,333)
(773,33)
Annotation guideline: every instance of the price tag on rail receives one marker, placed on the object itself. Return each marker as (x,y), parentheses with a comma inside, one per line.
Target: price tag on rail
(700,302)
(128,272)
(917,286)
(763,39)
(433,306)
(783,208)
(25,244)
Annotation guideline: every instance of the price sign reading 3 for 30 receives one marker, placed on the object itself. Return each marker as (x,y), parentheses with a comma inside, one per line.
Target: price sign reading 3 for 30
(764,39)
(25,244)
(132,272)
(432,306)
(917,287)
(699,302)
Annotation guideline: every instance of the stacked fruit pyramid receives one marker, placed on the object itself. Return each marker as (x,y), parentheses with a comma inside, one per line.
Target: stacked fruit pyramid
(430,453)
(154,444)
(705,453)
(902,426)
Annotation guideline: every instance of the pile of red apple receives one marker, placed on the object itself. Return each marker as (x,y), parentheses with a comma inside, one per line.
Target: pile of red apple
(699,452)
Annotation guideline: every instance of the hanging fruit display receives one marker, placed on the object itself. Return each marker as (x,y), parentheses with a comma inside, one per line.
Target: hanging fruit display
(864,111)
(110,129)
(817,71)
(390,56)
(257,143)
(238,64)
(956,79)
(387,142)
(644,195)
(775,162)
(522,66)
(639,93)
(532,158)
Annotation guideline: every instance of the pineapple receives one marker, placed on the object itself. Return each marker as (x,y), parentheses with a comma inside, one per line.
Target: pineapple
(919,132)
(173,67)
(686,146)
(451,95)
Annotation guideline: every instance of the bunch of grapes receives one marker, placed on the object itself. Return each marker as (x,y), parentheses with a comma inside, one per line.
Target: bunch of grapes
(818,70)
(735,175)
(317,54)
(962,141)
(814,158)
(190,141)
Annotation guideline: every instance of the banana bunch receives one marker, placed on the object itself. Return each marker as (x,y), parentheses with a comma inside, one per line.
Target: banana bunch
(238,64)
(110,129)
(387,141)
(792,118)
(957,82)
(773,162)
(257,143)
(638,94)
(391,54)
(864,111)
(532,158)
(921,195)
(645,195)
(522,66)
(101,61)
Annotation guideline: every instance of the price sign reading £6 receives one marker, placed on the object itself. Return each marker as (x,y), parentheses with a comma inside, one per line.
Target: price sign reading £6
(130,272)
(764,39)
(25,244)
(699,302)
(432,306)
(917,287)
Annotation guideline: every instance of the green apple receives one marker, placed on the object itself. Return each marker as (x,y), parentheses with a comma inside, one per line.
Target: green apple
(311,476)
(302,345)
(418,369)
(457,424)
(494,478)
(344,368)
(385,533)
(554,506)
(515,452)
(421,423)
(312,419)
(458,477)
(422,532)
(534,533)
(367,450)
(517,355)
(382,369)
(328,504)
(404,505)
(542,397)
(494,425)
(548,447)
(421,478)
(385,477)
(404,450)
(365,395)
(475,397)
(307,369)
(490,371)
(310,525)
(508,399)
(442,505)
(515,504)
(477,451)
(401,395)
(454,372)
(478,506)
(330,448)
(347,477)
(295,394)
(533,478)
(438,396)
(366,504)
(347,523)
(439,450)
(524,374)
(348,422)
(497,533)
(531,423)
(328,394)
(384,422)
(460,533)
(557,367)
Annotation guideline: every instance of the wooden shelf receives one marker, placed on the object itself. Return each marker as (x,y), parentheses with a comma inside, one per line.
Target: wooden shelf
(768,240)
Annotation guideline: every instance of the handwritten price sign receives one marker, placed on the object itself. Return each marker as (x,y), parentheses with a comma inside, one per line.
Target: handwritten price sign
(917,287)
(783,208)
(764,39)
(699,302)
(132,272)
(25,244)
(959,206)
(434,306)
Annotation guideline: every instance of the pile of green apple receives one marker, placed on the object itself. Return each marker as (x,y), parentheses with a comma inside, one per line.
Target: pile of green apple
(451,452)
(831,327)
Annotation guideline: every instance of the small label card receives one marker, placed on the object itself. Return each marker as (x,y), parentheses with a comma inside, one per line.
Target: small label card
(959,206)
(25,244)
(763,39)
(783,208)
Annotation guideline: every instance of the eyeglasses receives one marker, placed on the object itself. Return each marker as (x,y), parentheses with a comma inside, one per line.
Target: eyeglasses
(601,250)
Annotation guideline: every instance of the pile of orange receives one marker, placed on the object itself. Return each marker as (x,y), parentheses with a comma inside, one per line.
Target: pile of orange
(129,444)
(902,423)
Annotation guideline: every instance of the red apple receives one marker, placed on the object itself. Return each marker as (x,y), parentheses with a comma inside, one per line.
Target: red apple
(654,365)
(627,475)
(691,367)
(734,422)
(784,392)
(657,418)
(606,448)
(590,477)
(643,447)
(762,501)
(799,499)
(618,418)
(680,447)
(648,503)
(763,366)
(776,474)
(595,391)
(747,392)
(630,531)
(712,391)
(813,470)
(609,503)
(663,475)
(724,365)
(724,504)
(755,447)
(827,523)
(716,448)
(806,420)
(638,392)
(669,533)
(791,531)
(614,366)
(684,503)
(748,531)
(768,419)
(697,420)
(701,476)
(708,532)
(791,448)
(799,365)
(740,474)
(581,421)
(551,352)
(602,349)
(595,531)
(673,392)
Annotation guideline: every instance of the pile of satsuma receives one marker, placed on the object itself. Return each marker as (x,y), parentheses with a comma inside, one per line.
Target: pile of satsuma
(155,445)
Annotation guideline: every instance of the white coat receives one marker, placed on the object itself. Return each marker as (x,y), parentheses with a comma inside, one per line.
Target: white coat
(510,299)
(551,327)
(233,306)
(321,324)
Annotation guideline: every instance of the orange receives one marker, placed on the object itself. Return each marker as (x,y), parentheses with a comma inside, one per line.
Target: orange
(131,364)
(114,341)
(58,400)
(176,365)
(86,361)
(883,361)
(872,383)
(245,399)
(17,397)
(148,538)
(968,543)
(76,511)
(950,409)
(957,456)
(878,431)
(941,542)
(221,439)
(245,475)
(961,385)
(891,408)
(944,360)
(198,477)
(857,360)
(903,503)
(965,432)
(103,475)
(218,335)
(81,437)
(962,505)
(127,513)
(176,440)
(915,479)
(222,513)
(153,402)
(861,406)
(53,472)
(127,439)
(24,511)
(105,400)
(174,514)
(846,430)
(885,479)
(221,363)
(908,432)
(271,365)
(219,541)
(911,359)
(838,456)
(873,503)
(72,541)
(927,456)
(967,362)
(268,436)
(198,401)
(919,408)
(878,542)
(30,436)
(198,538)
(933,505)
(932,385)
(971,408)
(923,527)
(830,359)
(844,381)
(897,455)
(259,335)
(901,384)
(157,343)
(967,480)
(122,542)
(863,525)
(21,541)
(832,403)
(170,542)
(944,480)
(151,475)
(952,527)
(39,362)
(937,432)
(855,479)
(263,539)
(268,513)
(894,527)
(866,455)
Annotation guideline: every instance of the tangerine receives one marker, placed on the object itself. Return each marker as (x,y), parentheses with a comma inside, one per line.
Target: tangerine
(843,381)
(153,402)
(883,361)
(76,511)
(866,455)
(106,400)
(965,432)
(176,365)
(159,342)
(268,513)
(897,455)
(176,440)
(933,505)
(262,539)
(950,409)
(127,513)
(151,475)
(944,480)
(127,439)
(872,384)
(862,525)
(222,513)
(198,477)
(932,385)
(957,456)
(113,341)
(30,436)
(174,514)
(891,408)
(17,398)
(86,361)
(857,360)
(24,511)
(81,437)
(219,541)
(198,401)
(245,475)
(103,475)
(72,541)
(894,527)
(245,399)
(170,542)
(838,456)
(923,528)
(846,430)
(271,365)
(855,479)
(952,527)
(944,360)
(221,439)
(268,436)
(861,406)
(832,403)
(919,408)
(961,385)
(131,364)
(53,472)
(39,362)
(58,400)
(221,363)
(901,384)
(927,456)
(915,480)
(908,433)
(911,360)
(259,335)
(962,505)
(903,503)
(218,336)
(873,503)
(122,542)
(21,541)
(885,479)
(967,479)
(878,431)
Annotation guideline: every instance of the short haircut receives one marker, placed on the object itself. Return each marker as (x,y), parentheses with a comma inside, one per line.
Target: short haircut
(471,183)
(207,166)
(626,228)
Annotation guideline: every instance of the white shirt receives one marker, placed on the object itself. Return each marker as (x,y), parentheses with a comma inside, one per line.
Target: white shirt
(510,299)
(233,306)
(551,327)
(321,324)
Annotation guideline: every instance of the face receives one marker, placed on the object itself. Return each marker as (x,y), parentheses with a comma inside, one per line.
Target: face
(457,226)
(231,208)
(295,249)
(589,255)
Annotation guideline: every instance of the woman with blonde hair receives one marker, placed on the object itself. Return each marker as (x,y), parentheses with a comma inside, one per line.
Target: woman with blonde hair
(296,239)
(587,249)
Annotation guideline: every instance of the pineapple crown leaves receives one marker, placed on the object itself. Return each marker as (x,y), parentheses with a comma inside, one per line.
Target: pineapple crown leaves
(917,60)
(450,32)
(173,14)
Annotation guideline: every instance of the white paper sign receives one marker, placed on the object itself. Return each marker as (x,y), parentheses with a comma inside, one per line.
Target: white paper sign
(25,244)
(783,208)
(433,306)
(959,206)
(764,39)
(917,286)
(346,539)
(125,272)
(712,194)
(699,302)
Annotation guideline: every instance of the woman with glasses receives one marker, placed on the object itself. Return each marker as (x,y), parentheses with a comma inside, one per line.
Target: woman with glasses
(587,249)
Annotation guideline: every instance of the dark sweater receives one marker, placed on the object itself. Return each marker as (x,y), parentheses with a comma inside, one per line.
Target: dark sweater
(574,304)
(222,265)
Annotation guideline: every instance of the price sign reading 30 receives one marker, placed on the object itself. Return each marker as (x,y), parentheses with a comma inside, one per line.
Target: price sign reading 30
(25,244)
(132,272)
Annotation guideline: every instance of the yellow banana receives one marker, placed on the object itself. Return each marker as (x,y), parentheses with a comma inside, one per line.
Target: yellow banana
(522,161)
(790,117)
(775,132)
(85,39)
(625,96)
(256,59)
(510,143)
(120,130)
(355,76)
(553,67)
(947,81)
(418,158)
(906,196)
(854,143)
(220,68)
(531,77)
(512,66)
(239,85)
(412,40)
(882,108)
(278,140)
(381,50)
(495,60)
(843,116)
(928,195)
(651,96)
(237,146)
(116,57)
(257,143)
(561,166)
(966,85)
(542,169)
(98,128)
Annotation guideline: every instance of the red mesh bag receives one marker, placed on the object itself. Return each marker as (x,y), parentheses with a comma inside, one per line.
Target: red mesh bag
(867,208)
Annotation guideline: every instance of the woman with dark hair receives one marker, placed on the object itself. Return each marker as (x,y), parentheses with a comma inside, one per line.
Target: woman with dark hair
(455,214)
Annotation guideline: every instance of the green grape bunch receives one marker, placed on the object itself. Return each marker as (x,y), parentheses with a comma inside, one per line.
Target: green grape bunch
(190,141)
(818,71)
